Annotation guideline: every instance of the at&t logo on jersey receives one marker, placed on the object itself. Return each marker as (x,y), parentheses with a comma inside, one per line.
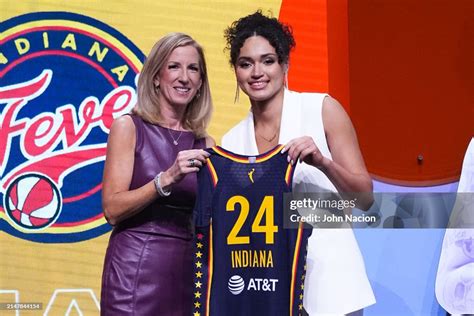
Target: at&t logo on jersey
(236,284)
(64,77)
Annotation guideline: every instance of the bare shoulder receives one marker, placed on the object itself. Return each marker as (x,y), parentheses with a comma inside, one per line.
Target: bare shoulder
(334,115)
(123,127)
(123,124)
(122,132)
(341,135)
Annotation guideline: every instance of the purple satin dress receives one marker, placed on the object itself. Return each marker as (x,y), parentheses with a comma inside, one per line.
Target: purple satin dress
(148,264)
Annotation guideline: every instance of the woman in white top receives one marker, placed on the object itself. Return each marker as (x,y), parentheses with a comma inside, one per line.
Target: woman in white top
(319,135)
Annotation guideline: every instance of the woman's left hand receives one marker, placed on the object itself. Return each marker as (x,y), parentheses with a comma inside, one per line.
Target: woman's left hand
(304,149)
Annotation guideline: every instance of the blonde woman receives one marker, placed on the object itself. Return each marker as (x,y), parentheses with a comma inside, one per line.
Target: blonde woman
(149,183)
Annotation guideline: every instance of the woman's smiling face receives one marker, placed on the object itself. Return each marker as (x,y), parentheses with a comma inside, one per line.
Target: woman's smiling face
(257,69)
(180,77)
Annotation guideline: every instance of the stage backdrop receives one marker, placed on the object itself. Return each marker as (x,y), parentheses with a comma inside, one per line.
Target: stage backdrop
(67,69)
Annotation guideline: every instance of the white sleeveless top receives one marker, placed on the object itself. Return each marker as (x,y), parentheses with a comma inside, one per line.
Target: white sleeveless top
(336,281)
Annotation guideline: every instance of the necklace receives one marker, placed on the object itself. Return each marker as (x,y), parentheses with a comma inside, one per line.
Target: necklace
(269,140)
(175,140)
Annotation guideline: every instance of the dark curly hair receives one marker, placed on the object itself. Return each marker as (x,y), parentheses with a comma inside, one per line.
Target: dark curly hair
(278,34)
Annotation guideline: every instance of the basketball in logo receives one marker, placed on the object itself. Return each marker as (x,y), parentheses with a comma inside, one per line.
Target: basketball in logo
(236,284)
(64,78)
(33,201)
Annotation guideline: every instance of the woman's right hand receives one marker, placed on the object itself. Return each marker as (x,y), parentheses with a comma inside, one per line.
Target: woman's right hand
(187,161)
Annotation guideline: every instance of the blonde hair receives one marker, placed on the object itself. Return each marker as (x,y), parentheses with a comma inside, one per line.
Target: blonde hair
(198,112)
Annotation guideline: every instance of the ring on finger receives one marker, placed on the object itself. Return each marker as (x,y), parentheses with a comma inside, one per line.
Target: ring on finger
(192,162)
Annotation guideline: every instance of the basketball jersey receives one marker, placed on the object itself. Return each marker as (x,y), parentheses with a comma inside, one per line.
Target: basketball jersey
(245,262)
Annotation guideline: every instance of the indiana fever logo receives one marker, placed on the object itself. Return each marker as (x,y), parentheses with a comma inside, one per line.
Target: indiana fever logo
(63,79)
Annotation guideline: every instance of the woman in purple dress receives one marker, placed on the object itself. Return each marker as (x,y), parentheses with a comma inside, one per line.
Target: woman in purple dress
(149,183)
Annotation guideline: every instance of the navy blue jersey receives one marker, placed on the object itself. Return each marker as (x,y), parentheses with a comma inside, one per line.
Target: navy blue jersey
(246,263)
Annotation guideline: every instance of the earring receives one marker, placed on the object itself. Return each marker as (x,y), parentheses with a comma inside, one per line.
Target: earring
(237,92)
(198,93)
(286,80)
